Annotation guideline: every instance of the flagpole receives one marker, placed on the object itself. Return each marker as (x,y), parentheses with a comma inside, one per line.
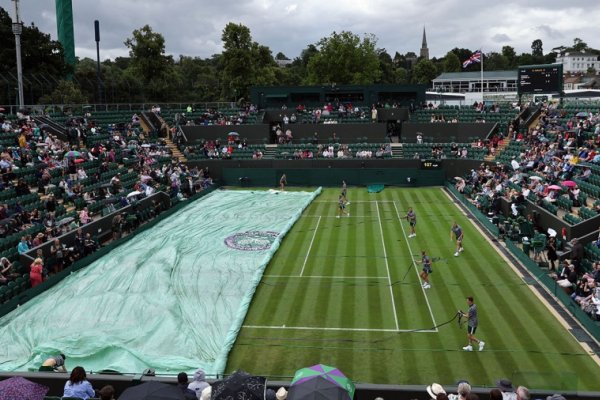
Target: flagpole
(481,51)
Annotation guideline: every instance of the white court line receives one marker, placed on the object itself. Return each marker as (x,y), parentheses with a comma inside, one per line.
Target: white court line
(387,267)
(310,328)
(335,216)
(310,246)
(325,277)
(415,264)
(352,202)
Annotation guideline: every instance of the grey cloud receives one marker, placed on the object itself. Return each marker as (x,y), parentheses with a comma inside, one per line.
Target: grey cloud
(549,32)
(501,38)
(194,28)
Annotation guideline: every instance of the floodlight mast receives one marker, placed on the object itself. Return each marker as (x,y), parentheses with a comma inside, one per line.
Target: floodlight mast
(17,28)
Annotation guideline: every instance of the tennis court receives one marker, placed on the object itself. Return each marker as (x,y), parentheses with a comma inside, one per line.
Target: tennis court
(346,292)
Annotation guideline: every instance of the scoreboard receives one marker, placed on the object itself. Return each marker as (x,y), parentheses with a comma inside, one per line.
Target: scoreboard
(540,79)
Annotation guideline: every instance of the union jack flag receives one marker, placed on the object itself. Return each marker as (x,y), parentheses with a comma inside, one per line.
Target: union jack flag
(475,58)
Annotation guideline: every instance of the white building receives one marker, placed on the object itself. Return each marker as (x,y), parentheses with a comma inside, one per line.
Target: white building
(576,62)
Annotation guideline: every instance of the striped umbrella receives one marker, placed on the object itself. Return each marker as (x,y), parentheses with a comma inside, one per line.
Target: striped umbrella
(318,376)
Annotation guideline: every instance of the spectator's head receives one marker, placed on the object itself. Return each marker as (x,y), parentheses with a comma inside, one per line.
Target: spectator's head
(182,377)
(464,388)
(199,375)
(556,397)
(522,393)
(107,393)
(60,360)
(434,389)
(505,385)
(495,394)
(281,394)
(77,375)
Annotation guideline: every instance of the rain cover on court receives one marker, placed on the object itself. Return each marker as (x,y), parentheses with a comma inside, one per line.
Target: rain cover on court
(172,298)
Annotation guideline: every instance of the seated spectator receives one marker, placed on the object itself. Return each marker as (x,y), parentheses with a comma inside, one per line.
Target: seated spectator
(199,383)
(107,393)
(182,384)
(23,246)
(84,216)
(78,385)
(6,273)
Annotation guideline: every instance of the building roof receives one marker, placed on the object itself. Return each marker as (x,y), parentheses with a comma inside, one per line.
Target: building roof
(473,76)
(576,54)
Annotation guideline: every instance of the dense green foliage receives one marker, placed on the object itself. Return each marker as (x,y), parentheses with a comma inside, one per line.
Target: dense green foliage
(150,75)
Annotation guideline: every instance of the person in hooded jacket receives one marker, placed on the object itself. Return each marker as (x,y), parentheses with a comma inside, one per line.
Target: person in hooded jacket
(199,383)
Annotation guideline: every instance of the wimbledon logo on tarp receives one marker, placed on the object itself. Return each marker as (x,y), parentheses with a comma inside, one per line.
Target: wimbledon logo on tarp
(252,240)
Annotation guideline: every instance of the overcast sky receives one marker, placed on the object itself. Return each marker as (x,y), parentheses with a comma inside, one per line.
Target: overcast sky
(194,28)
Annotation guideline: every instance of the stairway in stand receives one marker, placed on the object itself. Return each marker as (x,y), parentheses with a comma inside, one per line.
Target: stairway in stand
(397,151)
(175,150)
(501,146)
(270,151)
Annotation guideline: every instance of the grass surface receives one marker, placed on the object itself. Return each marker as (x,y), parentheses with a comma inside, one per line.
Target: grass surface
(345,292)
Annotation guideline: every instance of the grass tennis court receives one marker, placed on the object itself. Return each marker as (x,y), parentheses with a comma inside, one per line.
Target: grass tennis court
(346,292)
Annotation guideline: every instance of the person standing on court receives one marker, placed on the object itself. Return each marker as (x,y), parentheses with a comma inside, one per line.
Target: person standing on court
(426,261)
(457,232)
(345,192)
(472,322)
(282,182)
(342,206)
(411,217)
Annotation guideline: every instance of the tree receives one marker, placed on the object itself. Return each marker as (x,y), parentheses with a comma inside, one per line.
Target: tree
(65,93)
(149,62)
(495,62)
(511,56)
(281,56)
(537,48)
(236,60)
(579,45)
(386,65)
(42,61)
(345,59)
(451,62)
(424,72)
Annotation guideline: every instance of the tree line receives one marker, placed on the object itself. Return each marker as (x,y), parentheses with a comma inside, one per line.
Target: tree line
(148,74)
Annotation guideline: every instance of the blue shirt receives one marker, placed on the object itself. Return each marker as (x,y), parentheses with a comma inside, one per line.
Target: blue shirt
(22,247)
(82,389)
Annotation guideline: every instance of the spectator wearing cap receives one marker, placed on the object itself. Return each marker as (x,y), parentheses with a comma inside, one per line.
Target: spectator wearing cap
(434,389)
(281,394)
(199,383)
(182,384)
(508,391)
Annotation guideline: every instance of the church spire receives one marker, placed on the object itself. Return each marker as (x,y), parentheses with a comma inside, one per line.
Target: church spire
(424,49)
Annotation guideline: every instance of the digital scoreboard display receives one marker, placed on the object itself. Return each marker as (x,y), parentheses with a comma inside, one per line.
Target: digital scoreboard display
(540,79)
(431,164)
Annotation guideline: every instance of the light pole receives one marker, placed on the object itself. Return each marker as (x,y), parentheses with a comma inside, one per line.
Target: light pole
(17,28)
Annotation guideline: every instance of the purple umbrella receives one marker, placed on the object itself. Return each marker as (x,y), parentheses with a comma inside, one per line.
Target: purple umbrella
(19,388)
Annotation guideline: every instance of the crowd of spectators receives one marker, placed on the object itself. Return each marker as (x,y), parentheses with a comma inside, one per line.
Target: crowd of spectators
(553,152)
(71,174)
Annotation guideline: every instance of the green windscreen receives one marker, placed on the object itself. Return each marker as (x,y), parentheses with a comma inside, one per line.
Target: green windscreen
(173,298)
(64,26)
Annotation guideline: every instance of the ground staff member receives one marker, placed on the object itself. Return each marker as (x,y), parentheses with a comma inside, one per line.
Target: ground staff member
(472,322)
